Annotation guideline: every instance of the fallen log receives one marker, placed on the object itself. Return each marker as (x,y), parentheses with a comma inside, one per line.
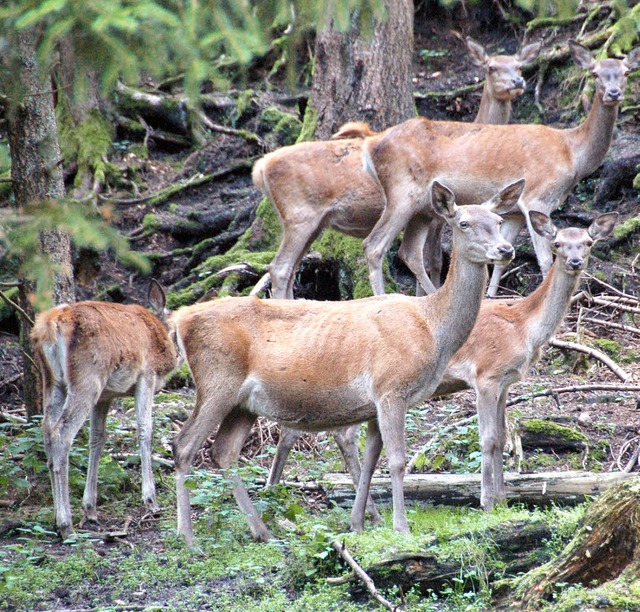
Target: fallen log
(568,488)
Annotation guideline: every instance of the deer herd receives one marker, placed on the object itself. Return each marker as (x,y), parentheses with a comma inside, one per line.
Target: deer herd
(314,366)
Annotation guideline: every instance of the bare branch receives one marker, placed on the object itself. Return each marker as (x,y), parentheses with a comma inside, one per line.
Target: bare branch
(612,365)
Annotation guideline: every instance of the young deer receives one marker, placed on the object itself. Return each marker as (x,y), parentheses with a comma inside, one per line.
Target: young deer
(508,336)
(319,185)
(91,353)
(476,159)
(315,366)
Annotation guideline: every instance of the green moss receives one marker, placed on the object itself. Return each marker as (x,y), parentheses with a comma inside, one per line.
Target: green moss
(180,378)
(86,143)
(611,347)
(309,124)
(215,285)
(150,223)
(538,426)
(630,226)
(284,127)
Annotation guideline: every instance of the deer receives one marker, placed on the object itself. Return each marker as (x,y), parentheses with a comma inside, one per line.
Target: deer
(475,160)
(503,347)
(90,353)
(503,83)
(319,185)
(316,366)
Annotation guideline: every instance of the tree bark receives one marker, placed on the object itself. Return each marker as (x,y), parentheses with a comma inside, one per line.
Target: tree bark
(36,176)
(360,79)
(464,489)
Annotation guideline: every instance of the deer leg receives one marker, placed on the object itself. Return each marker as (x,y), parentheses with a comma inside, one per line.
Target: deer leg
(370,460)
(412,251)
(488,416)
(377,243)
(288,437)
(296,240)
(205,418)
(97,438)
(510,229)
(228,444)
(391,420)
(501,434)
(347,440)
(58,435)
(144,419)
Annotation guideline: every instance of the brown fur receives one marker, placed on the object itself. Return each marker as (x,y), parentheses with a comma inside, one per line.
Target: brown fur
(89,353)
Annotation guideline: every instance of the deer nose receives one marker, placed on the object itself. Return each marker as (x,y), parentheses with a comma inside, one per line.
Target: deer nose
(519,83)
(614,93)
(575,263)
(506,250)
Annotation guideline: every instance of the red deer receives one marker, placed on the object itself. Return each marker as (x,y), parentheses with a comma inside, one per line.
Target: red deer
(504,345)
(315,366)
(319,185)
(475,160)
(91,353)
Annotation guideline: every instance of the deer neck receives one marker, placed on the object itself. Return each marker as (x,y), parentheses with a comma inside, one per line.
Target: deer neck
(492,110)
(454,308)
(590,141)
(547,305)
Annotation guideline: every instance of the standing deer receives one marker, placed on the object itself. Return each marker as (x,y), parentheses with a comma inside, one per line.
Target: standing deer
(475,160)
(503,83)
(504,345)
(319,185)
(91,353)
(508,336)
(321,365)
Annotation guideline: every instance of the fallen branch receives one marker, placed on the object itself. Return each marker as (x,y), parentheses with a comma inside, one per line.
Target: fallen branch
(572,389)
(341,549)
(196,180)
(616,303)
(612,365)
(625,328)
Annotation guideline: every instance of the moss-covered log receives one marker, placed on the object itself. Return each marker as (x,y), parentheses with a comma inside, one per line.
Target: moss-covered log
(464,489)
(514,547)
(606,546)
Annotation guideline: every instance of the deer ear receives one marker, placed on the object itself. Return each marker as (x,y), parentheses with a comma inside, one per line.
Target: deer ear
(542,224)
(157,298)
(603,225)
(443,200)
(581,55)
(529,53)
(632,61)
(506,201)
(478,55)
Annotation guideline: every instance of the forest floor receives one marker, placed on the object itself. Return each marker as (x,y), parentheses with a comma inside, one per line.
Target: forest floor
(135,561)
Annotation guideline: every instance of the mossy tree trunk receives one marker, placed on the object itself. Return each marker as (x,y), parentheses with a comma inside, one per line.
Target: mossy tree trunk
(606,546)
(364,78)
(36,175)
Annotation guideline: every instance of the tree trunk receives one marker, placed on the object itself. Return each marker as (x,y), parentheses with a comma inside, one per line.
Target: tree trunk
(361,79)
(36,175)
(607,544)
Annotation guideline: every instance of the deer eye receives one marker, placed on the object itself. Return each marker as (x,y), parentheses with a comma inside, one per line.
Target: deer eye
(557,245)
(589,243)
(464,225)
(492,69)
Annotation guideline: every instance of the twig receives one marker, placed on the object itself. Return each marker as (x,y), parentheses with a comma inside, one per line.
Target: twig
(626,328)
(341,549)
(634,456)
(607,285)
(612,303)
(572,389)
(612,365)
(16,307)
